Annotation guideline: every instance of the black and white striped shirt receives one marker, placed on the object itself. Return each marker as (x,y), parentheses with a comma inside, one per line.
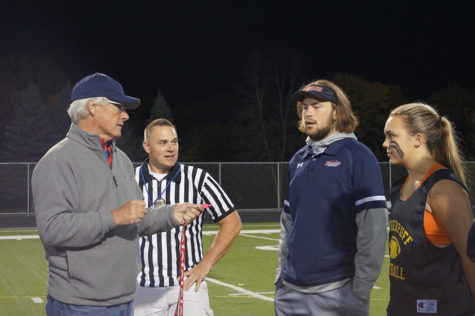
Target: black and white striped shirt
(160,253)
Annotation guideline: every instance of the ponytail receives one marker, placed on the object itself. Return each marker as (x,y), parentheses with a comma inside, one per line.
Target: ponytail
(439,133)
(448,152)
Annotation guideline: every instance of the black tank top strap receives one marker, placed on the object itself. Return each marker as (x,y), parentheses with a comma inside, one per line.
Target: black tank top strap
(440,174)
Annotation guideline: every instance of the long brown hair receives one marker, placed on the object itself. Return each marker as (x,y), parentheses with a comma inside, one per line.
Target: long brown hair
(438,131)
(346,121)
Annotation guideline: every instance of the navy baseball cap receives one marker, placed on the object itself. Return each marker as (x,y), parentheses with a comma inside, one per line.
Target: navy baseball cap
(321,93)
(101,85)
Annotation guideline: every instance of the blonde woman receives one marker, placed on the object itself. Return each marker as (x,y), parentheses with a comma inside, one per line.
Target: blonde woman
(430,217)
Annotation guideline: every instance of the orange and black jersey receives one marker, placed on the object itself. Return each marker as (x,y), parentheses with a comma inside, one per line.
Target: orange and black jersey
(424,278)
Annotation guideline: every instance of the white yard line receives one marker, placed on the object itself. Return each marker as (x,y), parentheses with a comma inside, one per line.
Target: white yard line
(272,248)
(262,225)
(20,237)
(17,231)
(259,237)
(246,231)
(260,231)
(240,290)
(37,300)
(241,294)
(207,233)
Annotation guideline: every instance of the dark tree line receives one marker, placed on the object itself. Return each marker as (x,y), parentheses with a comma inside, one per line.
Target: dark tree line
(254,121)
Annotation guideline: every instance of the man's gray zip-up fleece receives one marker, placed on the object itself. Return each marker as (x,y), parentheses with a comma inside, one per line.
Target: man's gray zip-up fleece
(91,260)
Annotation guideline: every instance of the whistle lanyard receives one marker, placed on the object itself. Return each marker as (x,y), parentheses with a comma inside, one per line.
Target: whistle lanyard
(179,308)
(150,198)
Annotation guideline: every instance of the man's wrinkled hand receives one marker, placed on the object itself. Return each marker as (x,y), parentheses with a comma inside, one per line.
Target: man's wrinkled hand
(187,212)
(129,213)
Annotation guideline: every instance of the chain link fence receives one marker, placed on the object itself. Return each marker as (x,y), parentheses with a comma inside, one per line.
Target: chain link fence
(252,186)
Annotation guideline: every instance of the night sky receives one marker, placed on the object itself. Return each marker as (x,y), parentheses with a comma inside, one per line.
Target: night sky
(190,50)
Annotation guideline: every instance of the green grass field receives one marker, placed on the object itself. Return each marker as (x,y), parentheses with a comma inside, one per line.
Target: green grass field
(240,284)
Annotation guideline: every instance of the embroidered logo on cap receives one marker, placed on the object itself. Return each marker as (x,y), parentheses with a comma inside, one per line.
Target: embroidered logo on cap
(314,88)
(332,163)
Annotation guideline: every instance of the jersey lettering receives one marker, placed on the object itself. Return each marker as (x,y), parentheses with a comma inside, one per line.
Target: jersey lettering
(396,271)
(396,227)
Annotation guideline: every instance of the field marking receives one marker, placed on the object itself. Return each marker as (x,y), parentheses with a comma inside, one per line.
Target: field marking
(37,300)
(240,290)
(207,233)
(272,248)
(259,237)
(19,237)
(246,231)
(260,231)
(241,294)
(18,230)
(263,225)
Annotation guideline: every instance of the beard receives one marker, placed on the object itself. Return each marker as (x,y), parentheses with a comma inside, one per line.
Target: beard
(322,131)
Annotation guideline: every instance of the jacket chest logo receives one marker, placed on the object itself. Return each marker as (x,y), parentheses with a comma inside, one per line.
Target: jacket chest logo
(333,163)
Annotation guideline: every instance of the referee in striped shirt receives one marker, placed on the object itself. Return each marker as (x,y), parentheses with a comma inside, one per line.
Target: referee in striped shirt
(164,180)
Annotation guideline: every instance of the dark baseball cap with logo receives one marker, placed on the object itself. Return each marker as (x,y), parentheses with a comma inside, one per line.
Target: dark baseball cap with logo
(101,85)
(321,93)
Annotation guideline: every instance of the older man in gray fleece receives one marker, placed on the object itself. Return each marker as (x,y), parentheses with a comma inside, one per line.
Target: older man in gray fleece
(89,209)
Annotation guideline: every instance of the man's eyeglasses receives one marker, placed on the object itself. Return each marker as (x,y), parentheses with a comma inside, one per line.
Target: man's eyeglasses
(120,106)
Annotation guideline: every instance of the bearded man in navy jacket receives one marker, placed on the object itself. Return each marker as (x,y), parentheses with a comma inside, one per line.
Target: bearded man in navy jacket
(333,228)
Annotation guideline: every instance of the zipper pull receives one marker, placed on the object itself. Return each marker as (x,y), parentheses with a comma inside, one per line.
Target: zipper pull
(115,181)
